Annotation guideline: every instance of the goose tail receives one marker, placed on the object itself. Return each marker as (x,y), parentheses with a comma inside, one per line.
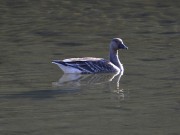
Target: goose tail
(58,62)
(65,67)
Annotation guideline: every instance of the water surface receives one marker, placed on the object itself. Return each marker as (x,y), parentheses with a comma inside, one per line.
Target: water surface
(35,96)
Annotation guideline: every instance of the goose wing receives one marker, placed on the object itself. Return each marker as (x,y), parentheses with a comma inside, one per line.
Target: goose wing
(88,65)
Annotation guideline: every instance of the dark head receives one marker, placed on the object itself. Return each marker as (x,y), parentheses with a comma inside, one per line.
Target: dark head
(117,44)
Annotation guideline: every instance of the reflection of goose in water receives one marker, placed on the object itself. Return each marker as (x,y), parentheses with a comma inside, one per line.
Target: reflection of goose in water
(91,65)
(77,80)
(108,82)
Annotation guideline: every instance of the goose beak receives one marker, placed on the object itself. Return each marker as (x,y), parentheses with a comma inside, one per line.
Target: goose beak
(125,47)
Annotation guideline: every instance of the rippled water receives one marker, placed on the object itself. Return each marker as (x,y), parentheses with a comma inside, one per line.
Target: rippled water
(35,96)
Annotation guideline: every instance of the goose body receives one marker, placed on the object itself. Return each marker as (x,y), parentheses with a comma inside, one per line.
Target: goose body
(90,65)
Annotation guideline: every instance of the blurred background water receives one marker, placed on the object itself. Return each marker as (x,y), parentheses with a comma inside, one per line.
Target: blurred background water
(34,97)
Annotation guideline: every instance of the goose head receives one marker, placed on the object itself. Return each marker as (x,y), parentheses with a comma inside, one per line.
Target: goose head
(117,44)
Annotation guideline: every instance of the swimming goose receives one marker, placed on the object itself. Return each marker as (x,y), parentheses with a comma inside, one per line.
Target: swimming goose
(90,65)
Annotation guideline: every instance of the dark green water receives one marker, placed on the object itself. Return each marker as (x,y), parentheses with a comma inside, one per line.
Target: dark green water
(33,98)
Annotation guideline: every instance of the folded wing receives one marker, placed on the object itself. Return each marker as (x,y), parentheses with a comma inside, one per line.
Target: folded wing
(97,65)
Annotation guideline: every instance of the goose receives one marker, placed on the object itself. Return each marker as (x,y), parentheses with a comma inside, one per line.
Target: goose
(92,65)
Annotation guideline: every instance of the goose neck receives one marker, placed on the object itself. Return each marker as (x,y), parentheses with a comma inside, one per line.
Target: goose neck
(114,58)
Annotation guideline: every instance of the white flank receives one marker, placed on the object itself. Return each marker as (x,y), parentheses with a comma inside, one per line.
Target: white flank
(67,69)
